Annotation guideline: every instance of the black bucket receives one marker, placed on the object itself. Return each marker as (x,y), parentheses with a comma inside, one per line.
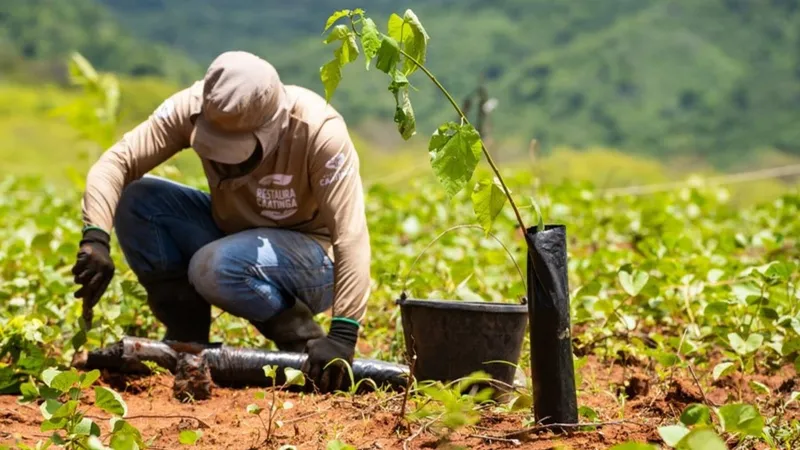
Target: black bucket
(452,339)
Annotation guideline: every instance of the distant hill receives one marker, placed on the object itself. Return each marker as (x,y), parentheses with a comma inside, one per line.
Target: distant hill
(718,78)
(44,31)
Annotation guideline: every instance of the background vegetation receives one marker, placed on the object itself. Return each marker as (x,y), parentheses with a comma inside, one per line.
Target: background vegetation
(718,80)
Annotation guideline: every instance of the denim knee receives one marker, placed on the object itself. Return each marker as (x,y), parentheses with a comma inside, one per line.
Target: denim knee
(228,282)
(205,271)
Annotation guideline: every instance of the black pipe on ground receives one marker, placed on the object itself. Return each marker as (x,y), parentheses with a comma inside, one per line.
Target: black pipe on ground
(227,366)
(552,368)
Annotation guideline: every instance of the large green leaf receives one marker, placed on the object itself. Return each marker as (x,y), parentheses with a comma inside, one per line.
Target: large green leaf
(110,401)
(454,153)
(49,374)
(488,200)
(125,436)
(395,27)
(124,441)
(190,437)
(702,439)
(49,408)
(742,418)
(29,392)
(743,347)
(87,427)
(696,414)
(722,369)
(294,377)
(330,74)
(672,434)
(65,380)
(348,51)
(404,113)
(783,271)
(54,423)
(370,40)
(88,378)
(66,410)
(754,342)
(388,55)
(334,17)
(633,283)
(409,33)
(416,43)
(338,33)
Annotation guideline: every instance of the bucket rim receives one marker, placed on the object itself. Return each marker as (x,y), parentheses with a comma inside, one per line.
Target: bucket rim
(464,305)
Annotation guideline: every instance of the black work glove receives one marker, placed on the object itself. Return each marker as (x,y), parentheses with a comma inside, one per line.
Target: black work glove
(93,270)
(340,343)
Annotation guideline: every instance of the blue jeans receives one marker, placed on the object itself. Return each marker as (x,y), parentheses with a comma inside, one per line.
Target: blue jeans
(164,226)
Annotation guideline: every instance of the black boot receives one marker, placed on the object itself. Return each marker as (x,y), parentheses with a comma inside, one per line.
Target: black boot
(176,304)
(291,329)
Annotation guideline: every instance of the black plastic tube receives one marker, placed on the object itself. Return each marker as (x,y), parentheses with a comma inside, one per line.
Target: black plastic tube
(234,366)
(553,372)
(241,367)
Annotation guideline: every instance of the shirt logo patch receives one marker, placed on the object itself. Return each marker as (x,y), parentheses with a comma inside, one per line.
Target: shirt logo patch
(335,162)
(327,180)
(276,203)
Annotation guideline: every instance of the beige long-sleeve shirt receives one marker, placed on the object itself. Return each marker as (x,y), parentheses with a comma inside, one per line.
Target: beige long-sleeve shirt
(310,183)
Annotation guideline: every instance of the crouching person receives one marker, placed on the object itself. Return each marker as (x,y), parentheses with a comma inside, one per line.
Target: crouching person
(280,236)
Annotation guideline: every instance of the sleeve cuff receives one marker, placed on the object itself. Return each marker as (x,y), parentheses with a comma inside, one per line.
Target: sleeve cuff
(347,320)
(344,330)
(96,234)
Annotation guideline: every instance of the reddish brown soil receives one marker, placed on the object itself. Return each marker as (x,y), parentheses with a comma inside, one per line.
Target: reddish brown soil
(370,421)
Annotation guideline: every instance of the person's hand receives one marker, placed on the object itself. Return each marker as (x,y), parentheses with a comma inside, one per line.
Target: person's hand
(339,344)
(93,270)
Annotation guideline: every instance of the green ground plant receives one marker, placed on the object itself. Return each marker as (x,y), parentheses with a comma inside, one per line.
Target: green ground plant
(695,247)
(291,377)
(61,395)
(447,408)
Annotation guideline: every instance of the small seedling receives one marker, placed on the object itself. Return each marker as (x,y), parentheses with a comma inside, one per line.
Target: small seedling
(446,408)
(293,377)
(61,396)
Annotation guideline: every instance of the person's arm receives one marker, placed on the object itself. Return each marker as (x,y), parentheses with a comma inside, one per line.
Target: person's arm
(152,142)
(336,183)
(149,144)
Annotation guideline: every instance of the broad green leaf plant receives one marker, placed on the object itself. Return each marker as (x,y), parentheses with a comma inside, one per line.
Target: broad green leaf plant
(69,427)
(455,149)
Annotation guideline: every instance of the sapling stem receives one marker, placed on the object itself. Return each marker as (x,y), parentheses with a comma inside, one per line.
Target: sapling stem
(464,118)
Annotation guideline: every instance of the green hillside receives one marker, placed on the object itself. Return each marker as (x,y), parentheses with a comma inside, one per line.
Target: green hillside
(35,36)
(718,79)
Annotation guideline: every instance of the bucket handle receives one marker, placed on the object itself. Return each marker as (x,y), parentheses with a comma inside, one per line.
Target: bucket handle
(508,252)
